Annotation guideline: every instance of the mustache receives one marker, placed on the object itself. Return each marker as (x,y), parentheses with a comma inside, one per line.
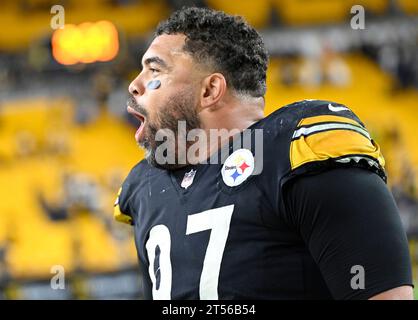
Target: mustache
(131,102)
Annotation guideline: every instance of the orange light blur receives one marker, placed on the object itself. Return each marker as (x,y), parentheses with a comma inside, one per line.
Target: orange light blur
(85,43)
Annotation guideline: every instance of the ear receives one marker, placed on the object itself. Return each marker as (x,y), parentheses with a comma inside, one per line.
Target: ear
(213,89)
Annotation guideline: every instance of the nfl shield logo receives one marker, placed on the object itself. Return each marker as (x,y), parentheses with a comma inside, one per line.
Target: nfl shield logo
(188,179)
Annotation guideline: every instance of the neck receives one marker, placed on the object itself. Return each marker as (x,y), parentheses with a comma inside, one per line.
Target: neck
(228,119)
(233,114)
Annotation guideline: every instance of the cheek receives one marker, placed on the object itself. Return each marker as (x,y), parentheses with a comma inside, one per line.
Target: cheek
(155,103)
(154,84)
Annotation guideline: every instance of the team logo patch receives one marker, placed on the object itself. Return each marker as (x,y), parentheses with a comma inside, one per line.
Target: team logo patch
(238,167)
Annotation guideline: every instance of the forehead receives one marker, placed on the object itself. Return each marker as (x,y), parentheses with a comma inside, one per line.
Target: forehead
(167,47)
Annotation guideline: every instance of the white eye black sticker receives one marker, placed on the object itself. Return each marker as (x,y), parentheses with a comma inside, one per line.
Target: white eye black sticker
(154,84)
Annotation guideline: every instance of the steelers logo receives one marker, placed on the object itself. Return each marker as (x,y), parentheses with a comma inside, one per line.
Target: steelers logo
(238,167)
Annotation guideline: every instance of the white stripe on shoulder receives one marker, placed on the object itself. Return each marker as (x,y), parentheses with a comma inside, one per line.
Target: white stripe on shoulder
(329,126)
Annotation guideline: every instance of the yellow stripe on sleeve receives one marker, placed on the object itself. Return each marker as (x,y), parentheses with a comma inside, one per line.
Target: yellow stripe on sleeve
(119,215)
(332,144)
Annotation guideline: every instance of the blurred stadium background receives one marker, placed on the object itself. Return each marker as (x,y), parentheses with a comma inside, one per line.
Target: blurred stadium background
(66,142)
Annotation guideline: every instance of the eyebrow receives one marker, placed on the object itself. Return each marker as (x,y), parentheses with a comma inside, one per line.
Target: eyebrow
(156,60)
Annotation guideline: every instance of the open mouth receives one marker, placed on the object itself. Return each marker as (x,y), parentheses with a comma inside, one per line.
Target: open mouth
(141,118)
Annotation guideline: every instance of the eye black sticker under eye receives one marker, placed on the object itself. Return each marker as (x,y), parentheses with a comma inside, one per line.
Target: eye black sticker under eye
(154,84)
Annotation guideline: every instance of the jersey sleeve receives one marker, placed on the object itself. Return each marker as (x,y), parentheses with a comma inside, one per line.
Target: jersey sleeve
(121,208)
(331,135)
(348,219)
(125,201)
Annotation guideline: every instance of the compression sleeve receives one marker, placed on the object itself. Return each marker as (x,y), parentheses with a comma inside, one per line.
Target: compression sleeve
(349,220)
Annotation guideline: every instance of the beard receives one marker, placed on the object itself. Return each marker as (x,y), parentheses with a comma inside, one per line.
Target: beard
(179,107)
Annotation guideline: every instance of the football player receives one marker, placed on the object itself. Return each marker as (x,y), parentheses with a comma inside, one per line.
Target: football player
(308,217)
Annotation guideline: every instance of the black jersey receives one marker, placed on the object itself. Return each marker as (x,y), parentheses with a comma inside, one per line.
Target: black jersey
(229,235)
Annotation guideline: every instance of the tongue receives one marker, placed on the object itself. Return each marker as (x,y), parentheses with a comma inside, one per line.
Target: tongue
(138,131)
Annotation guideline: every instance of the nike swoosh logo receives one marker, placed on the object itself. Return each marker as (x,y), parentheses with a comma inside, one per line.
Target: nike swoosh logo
(336,109)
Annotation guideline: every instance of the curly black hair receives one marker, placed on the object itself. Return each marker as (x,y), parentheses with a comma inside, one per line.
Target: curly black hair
(226,42)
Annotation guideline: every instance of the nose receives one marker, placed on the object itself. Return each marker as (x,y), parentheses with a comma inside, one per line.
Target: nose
(136,88)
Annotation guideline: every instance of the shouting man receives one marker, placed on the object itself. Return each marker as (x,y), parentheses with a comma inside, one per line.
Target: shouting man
(229,204)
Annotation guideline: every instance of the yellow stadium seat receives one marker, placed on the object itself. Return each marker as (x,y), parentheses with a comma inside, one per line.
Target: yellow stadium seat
(257,13)
(409,6)
(303,12)
(374,6)
(98,148)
